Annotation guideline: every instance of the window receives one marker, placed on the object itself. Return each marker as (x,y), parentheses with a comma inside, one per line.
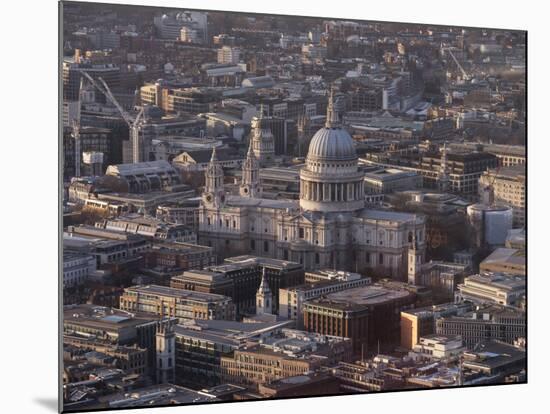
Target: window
(253,244)
(317,258)
(285,254)
(301,232)
(381,259)
(266,246)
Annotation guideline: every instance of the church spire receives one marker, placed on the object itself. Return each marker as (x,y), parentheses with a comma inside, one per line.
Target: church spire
(214,156)
(332,117)
(264,297)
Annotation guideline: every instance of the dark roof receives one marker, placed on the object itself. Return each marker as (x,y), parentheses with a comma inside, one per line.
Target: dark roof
(202,156)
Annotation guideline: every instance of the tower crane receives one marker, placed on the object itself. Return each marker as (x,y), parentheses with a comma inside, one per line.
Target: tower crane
(76,132)
(464,73)
(133,123)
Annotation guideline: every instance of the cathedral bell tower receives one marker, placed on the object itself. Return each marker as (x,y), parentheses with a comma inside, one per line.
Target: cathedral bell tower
(264,297)
(214,193)
(250,186)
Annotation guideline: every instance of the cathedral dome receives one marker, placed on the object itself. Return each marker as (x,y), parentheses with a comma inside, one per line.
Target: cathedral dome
(331,144)
(331,180)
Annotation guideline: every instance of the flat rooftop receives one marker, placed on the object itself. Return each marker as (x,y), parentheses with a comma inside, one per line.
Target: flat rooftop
(500,280)
(176,293)
(511,171)
(156,395)
(391,216)
(504,255)
(451,306)
(264,261)
(234,200)
(367,295)
(230,333)
(443,339)
(102,317)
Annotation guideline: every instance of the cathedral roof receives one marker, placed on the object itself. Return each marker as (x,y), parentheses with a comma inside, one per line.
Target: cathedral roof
(239,201)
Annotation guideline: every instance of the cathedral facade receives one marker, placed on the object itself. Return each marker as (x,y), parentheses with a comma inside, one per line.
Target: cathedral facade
(328,227)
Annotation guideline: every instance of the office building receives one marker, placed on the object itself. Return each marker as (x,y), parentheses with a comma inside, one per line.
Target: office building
(292,299)
(507,185)
(484,324)
(308,385)
(419,322)
(368,315)
(439,346)
(288,354)
(200,345)
(77,267)
(178,257)
(229,55)
(178,303)
(505,260)
(149,227)
(500,288)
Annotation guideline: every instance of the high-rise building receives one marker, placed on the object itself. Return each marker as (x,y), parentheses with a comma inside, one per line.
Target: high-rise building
(229,55)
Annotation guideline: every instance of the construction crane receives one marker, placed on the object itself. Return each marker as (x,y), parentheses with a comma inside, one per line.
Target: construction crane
(133,123)
(465,75)
(76,133)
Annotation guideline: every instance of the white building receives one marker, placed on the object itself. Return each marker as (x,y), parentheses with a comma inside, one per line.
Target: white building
(77,268)
(168,26)
(500,288)
(328,227)
(439,346)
